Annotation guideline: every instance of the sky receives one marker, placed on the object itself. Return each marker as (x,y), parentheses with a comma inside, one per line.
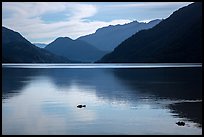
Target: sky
(43,22)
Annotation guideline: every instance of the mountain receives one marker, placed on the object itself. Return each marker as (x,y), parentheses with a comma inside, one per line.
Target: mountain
(40,45)
(16,49)
(75,50)
(175,39)
(107,38)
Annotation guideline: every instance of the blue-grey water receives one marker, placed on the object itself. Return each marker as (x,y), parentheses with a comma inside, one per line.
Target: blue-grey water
(138,99)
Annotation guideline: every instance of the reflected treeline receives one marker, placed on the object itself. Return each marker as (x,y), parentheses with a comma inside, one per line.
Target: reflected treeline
(104,83)
(191,110)
(170,83)
(13,80)
(119,84)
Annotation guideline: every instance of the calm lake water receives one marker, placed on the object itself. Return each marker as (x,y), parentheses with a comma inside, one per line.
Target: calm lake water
(120,99)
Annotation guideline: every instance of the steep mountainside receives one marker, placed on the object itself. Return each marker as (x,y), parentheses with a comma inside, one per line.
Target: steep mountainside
(16,49)
(75,50)
(175,39)
(107,38)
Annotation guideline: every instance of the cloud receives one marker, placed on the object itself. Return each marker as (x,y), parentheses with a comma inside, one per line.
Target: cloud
(45,21)
(149,5)
(27,18)
(83,11)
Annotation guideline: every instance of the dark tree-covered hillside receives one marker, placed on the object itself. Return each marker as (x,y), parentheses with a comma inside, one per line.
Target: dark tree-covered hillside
(16,49)
(175,39)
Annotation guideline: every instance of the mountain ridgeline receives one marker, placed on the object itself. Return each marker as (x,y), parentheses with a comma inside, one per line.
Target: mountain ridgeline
(107,38)
(16,49)
(174,40)
(75,50)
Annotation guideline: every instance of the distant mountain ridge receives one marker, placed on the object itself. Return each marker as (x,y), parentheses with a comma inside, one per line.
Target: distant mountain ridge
(17,49)
(75,50)
(107,38)
(177,39)
(40,45)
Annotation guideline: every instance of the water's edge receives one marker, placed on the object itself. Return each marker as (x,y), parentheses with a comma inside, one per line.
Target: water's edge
(102,65)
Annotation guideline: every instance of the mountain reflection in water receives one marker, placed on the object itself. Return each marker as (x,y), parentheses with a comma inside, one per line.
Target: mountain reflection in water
(176,89)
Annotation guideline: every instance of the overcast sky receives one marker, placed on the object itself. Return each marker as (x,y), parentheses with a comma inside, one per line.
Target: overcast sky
(42,22)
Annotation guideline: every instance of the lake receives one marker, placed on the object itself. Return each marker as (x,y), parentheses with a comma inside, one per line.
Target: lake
(120,99)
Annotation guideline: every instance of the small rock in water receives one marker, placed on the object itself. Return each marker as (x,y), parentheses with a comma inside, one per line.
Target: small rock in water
(180,123)
(80,106)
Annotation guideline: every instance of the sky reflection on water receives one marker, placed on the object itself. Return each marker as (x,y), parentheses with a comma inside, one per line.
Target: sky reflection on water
(119,101)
